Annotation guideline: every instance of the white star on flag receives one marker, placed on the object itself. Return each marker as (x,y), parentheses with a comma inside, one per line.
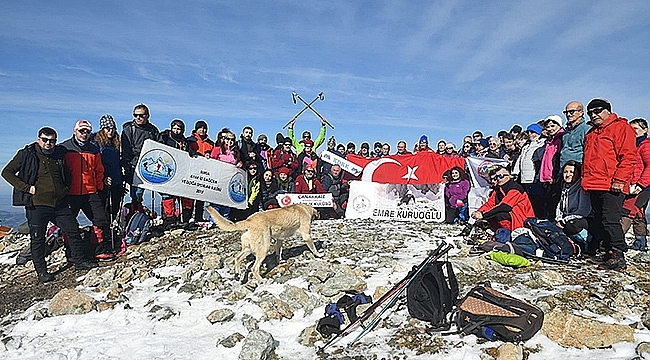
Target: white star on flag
(410,173)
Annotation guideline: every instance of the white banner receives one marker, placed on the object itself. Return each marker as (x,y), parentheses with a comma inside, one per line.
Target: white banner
(478,168)
(315,200)
(396,201)
(346,165)
(172,171)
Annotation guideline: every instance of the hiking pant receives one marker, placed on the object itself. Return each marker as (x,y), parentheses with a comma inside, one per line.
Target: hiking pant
(111,199)
(93,208)
(639,225)
(575,226)
(198,210)
(169,205)
(606,226)
(500,220)
(61,216)
(535,193)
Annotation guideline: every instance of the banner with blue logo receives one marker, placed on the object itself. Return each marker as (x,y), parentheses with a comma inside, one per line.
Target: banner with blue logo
(172,171)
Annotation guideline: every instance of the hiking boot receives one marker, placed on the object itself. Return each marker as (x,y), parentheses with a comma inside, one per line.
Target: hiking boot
(21,260)
(466,230)
(598,258)
(45,277)
(616,261)
(640,244)
(105,257)
(85,265)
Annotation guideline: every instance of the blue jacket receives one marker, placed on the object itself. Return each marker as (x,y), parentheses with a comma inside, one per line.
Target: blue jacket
(574,203)
(573,142)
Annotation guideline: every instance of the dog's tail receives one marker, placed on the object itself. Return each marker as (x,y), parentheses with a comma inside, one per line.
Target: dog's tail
(222,222)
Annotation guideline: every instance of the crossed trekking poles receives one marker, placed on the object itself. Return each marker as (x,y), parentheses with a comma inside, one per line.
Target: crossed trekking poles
(390,297)
(309,106)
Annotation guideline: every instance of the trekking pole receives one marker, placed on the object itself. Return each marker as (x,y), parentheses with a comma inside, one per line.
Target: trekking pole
(393,300)
(312,109)
(397,289)
(293,95)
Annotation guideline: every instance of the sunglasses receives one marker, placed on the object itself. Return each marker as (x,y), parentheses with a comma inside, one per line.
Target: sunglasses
(135,116)
(595,111)
(46,140)
(498,177)
(252,168)
(570,112)
(84,131)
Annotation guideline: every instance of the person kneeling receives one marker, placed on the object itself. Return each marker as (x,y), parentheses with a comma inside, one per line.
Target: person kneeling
(508,205)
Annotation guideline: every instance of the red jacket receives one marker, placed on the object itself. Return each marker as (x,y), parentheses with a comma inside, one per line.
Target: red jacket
(609,155)
(303,188)
(286,159)
(510,198)
(86,168)
(641,175)
(200,146)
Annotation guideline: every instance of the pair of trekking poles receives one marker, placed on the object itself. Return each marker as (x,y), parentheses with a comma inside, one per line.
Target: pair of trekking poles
(390,298)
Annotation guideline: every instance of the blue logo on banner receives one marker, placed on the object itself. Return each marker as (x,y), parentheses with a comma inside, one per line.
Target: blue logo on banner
(237,188)
(157,166)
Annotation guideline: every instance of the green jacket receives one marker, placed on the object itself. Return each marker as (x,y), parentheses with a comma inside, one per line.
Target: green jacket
(299,146)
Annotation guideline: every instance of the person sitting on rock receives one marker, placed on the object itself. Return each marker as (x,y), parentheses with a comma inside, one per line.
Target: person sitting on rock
(508,205)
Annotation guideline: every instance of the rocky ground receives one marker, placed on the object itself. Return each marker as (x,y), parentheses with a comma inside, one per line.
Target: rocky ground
(360,256)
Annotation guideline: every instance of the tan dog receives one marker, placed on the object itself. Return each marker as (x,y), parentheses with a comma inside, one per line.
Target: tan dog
(263,226)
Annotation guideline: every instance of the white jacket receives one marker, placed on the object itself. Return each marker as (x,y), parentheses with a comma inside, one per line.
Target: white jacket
(524,166)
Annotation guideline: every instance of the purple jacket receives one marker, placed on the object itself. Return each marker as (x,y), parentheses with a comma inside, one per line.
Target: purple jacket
(455,191)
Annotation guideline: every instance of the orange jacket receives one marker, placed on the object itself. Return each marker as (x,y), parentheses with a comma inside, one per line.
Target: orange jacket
(86,168)
(200,146)
(609,155)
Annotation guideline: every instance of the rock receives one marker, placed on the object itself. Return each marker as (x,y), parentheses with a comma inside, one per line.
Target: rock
(645,319)
(379,292)
(258,345)
(309,336)
(509,351)
(231,340)
(99,276)
(342,282)
(220,315)
(545,278)
(177,232)
(70,302)
(250,323)
(571,330)
(274,308)
(105,306)
(125,275)
(212,261)
(296,297)
(643,349)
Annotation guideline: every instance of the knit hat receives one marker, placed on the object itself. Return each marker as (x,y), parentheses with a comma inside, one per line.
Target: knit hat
(279,138)
(484,143)
(200,124)
(287,140)
(179,123)
(596,103)
(262,136)
(107,121)
(351,145)
(365,145)
(535,128)
(308,142)
(284,170)
(376,145)
(424,139)
(306,133)
(83,124)
(331,142)
(555,118)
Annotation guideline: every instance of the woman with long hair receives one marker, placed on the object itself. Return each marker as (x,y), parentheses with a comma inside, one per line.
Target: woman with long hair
(254,195)
(574,205)
(456,191)
(108,141)
(226,150)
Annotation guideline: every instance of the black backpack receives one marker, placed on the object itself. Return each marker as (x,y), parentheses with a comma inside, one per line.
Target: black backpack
(432,294)
(492,315)
(552,239)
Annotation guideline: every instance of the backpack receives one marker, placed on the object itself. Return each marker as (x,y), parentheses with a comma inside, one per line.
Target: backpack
(492,315)
(552,239)
(432,294)
(127,212)
(137,229)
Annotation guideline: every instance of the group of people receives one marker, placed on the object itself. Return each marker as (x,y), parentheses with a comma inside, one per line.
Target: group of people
(584,176)
(591,178)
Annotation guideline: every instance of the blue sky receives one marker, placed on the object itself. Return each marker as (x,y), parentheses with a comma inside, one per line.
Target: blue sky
(389,70)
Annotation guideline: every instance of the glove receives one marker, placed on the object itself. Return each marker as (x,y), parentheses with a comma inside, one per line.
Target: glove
(459,203)
(255,190)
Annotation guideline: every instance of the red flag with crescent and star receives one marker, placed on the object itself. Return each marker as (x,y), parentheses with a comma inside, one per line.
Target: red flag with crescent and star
(419,168)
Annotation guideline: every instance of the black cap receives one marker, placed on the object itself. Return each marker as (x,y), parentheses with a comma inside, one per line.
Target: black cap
(596,103)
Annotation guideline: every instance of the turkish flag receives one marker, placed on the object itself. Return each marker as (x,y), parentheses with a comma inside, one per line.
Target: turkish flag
(419,168)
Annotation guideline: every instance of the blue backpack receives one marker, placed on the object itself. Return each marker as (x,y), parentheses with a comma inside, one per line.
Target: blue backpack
(137,230)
